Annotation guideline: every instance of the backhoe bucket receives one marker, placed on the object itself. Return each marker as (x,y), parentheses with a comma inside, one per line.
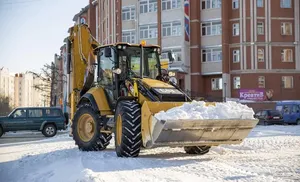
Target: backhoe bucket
(190,132)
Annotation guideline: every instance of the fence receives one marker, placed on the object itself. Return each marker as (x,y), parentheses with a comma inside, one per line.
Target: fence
(203,97)
(256,106)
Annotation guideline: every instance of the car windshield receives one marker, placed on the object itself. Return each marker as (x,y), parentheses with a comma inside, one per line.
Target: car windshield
(130,57)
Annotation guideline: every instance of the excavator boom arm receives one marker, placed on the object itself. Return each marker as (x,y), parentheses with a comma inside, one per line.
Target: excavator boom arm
(81,47)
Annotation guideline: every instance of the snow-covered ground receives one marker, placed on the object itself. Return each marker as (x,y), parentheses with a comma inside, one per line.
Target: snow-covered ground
(270,153)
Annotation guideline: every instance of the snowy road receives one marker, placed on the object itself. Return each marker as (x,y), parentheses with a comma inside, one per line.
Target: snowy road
(23,136)
(270,153)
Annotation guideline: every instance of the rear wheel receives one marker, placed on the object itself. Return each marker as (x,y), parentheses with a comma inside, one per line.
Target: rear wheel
(49,130)
(199,150)
(86,130)
(128,139)
(298,122)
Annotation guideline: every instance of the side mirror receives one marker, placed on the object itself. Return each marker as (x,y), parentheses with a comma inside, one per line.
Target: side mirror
(107,52)
(171,56)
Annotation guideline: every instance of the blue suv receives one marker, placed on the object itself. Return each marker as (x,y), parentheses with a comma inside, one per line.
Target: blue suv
(290,111)
(45,119)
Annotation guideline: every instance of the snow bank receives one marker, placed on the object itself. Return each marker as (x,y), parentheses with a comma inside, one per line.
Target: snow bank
(198,110)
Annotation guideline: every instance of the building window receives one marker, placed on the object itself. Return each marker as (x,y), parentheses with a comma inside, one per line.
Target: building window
(260,55)
(148,31)
(287,55)
(286,28)
(236,56)
(147,6)
(260,28)
(176,52)
(170,4)
(128,36)
(236,29)
(287,82)
(261,82)
(128,13)
(211,28)
(260,3)
(216,84)
(171,28)
(236,82)
(211,4)
(285,3)
(212,55)
(235,4)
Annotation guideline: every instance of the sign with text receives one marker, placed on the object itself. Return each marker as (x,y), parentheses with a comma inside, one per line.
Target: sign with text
(252,94)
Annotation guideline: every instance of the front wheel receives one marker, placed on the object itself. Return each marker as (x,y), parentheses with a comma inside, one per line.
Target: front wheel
(128,138)
(199,150)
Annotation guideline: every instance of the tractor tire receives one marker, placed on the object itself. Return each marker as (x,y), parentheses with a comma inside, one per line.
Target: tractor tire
(128,138)
(86,127)
(1,131)
(199,150)
(49,130)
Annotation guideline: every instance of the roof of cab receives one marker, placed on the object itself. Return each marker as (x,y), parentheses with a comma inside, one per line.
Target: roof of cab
(133,45)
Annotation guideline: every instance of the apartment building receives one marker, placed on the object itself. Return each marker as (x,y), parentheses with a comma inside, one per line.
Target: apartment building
(224,48)
(135,20)
(25,93)
(7,85)
(260,48)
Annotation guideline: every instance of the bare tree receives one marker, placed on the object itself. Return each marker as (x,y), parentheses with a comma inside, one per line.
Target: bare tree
(5,108)
(51,78)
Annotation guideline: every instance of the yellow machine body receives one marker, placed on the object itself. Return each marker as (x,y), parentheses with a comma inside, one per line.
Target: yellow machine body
(154,132)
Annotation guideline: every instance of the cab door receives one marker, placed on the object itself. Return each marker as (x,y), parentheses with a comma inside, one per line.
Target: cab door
(286,113)
(17,120)
(295,114)
(35,118)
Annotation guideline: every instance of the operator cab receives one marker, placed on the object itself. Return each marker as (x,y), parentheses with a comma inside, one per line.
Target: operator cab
(123,61)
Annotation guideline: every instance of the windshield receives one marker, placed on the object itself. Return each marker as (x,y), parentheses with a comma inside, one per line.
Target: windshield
(130,58)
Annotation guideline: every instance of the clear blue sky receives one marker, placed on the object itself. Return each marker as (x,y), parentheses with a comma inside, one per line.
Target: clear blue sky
(32,31)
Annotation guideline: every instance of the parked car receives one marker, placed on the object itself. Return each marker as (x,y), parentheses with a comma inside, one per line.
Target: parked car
(269,116)
(290,111)
(45,119)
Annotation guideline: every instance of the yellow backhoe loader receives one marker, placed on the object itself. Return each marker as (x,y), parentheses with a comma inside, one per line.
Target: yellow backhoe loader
(118,88)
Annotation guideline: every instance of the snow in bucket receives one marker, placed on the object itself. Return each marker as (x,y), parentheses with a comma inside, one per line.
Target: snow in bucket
(198,110)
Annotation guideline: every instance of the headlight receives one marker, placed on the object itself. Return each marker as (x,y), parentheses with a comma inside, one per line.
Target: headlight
(167,91)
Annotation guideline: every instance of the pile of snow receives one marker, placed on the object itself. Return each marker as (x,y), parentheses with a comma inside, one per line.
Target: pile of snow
(198,110)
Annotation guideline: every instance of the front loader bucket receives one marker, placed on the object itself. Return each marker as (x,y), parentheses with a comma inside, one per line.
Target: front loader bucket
(190,132)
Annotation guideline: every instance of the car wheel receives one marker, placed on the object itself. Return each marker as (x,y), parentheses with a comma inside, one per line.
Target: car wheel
(1,131)
(298,122)
(266,123)
(49,130)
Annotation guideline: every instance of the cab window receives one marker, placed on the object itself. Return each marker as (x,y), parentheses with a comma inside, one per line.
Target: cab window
(19,113)
(105,68)
(295,109)
(52,112)
(35,113)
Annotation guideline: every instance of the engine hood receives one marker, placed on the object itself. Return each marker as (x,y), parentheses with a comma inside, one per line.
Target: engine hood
(156,83)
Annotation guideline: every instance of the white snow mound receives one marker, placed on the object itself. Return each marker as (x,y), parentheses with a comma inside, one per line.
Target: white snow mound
(198,110)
